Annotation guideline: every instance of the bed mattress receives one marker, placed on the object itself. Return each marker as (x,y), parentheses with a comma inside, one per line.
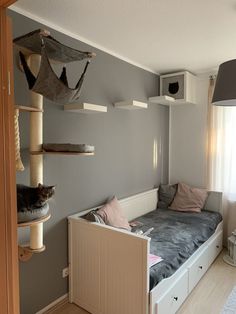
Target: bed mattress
(176,236)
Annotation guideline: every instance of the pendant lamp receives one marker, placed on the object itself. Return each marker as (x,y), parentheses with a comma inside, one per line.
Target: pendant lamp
(225,87)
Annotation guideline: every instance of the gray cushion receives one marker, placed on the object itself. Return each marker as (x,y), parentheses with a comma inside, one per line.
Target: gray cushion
(166,194)
(94,217)
(32,215)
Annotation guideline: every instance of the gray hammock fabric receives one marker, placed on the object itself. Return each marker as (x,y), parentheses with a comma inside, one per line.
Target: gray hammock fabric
(68,147)
(47,83)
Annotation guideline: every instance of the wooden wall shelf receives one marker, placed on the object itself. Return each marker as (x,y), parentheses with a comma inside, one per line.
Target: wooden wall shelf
(61,153)
(27,108)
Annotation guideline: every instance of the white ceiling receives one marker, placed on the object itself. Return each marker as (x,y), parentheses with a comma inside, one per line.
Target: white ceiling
(159,35)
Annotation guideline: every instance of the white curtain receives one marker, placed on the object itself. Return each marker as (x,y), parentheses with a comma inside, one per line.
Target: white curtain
(222,156)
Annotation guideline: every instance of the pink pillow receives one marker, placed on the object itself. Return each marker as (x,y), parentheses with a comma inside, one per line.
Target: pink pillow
(188,199)
(112,215)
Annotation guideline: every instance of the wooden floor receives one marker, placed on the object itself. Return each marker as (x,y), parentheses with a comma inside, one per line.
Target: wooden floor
(207,298)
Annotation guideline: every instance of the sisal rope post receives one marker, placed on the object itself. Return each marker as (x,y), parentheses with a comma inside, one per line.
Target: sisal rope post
(36,236)
(19,164)
(36,141)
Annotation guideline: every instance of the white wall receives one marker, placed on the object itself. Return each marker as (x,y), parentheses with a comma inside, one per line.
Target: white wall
(188,134)
(188,142)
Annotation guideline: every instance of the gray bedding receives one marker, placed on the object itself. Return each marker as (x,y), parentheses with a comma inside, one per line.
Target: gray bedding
(176,236)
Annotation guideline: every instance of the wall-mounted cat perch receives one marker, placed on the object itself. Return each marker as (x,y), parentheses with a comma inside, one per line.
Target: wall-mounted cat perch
(36,238)
(37,50)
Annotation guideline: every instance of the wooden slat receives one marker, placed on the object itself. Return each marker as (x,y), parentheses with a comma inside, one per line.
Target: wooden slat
(9,283)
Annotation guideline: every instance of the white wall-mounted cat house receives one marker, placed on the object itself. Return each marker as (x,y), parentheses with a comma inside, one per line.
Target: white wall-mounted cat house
(176,88)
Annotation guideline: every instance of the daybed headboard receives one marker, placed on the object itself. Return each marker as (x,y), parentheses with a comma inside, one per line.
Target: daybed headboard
(133,206)
(142,203)
(139,204)
(214,201)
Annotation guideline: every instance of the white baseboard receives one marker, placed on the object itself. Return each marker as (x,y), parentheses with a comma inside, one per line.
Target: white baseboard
(53,304)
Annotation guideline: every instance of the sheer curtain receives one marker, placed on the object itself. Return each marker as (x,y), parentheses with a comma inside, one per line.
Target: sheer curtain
(222,156)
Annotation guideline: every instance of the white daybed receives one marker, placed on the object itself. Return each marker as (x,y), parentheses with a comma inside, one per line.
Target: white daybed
(105,278)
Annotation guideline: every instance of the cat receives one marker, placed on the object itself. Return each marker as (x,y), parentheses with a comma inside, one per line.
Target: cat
(30,198)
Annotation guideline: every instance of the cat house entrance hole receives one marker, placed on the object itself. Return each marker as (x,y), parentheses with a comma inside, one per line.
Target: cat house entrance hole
(173,88)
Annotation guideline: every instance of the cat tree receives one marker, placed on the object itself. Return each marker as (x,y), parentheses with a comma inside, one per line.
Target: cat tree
(36,166)
(34,60)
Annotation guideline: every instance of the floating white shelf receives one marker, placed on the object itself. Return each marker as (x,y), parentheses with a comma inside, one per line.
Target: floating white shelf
(162,100)
(85,108)
(168,101)
(131,104)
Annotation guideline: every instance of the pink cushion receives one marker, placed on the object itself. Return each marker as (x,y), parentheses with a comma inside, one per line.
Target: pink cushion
(188,199)
(112,215)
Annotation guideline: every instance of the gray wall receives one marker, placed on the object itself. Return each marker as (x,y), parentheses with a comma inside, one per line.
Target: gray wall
(188,159)
(122,165)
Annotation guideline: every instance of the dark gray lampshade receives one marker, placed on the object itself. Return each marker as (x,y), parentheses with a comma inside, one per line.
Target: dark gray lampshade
(225,88)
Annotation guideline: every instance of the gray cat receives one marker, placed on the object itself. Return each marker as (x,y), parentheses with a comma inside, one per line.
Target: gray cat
(30,198)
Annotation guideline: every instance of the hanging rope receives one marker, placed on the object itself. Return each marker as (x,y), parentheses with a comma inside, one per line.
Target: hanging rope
(19,164)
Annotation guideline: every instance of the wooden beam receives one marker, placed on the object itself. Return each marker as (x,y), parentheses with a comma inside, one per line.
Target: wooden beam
(9,283)
(6,3)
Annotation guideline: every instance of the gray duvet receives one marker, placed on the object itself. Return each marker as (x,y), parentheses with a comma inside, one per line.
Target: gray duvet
(175,237)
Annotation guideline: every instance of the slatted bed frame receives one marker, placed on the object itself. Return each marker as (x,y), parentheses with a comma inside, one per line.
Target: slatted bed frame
(109,271)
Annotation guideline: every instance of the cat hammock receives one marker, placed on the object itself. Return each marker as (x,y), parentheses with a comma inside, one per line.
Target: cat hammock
(46,82)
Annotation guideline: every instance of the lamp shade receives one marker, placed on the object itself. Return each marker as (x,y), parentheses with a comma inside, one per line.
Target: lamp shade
(225,88)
